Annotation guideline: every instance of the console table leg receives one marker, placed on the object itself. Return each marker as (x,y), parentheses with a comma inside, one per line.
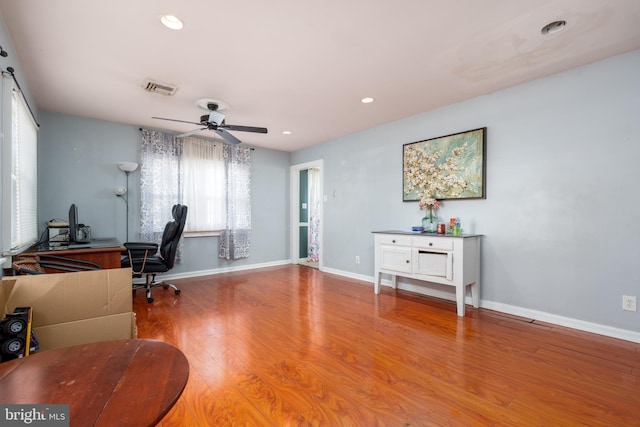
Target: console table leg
(376,284)
(475,297)
(460,291)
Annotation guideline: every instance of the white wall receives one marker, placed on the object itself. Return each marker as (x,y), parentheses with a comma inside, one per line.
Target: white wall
(560,221)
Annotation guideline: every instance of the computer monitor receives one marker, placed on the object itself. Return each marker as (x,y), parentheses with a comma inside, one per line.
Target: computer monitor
(73,223)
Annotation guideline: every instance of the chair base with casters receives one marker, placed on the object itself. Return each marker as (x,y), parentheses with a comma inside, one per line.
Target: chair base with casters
(150,282)
(144,260)
(148,259)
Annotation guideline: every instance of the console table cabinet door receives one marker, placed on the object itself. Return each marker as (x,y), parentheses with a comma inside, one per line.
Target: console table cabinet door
(396,258)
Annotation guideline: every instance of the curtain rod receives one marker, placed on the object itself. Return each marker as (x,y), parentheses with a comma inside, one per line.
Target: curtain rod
(11,72)
(250,148)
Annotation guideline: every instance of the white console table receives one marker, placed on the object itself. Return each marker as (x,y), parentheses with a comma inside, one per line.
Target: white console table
(437,258)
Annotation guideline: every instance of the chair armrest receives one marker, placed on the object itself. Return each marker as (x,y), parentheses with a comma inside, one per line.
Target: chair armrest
(146,246)
(138,250)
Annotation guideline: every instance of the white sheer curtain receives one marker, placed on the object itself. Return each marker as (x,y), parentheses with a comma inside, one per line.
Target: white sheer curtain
(235,239)
(204,185)
(160,184)
(215,178)
(314,214)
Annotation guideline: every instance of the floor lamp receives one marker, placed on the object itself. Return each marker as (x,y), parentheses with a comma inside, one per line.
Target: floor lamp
(127,168)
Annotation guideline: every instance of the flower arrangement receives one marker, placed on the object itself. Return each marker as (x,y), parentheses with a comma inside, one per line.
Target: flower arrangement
(429,203)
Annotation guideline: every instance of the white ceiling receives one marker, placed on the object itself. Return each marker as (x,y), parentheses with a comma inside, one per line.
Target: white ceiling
(299,65)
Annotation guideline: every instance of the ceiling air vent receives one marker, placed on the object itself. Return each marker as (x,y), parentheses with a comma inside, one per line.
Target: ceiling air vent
(161,88)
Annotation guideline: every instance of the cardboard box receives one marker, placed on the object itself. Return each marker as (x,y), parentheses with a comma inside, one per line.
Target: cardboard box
(74,308)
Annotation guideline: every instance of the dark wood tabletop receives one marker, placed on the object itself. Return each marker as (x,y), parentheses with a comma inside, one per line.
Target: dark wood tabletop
(132,382)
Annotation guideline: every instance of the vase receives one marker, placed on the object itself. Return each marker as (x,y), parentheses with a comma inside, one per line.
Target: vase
(429,222)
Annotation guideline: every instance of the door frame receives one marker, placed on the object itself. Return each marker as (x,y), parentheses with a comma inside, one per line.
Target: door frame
(294,198)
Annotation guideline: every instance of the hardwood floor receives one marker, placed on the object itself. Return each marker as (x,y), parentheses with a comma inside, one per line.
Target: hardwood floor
(292,346)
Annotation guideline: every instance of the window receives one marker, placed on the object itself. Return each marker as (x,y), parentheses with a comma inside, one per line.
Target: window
(19,171)
(212,179)
(204,185)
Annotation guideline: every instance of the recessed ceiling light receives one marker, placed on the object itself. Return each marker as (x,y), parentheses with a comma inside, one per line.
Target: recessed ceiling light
(286,132)
(367,100)
(553,27)
(172,22)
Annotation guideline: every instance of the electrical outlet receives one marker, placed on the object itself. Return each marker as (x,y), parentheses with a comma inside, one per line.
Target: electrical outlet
(629,303)
(357,259)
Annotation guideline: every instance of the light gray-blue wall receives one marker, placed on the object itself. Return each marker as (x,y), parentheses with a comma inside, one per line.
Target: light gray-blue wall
(561,218)
(77,164)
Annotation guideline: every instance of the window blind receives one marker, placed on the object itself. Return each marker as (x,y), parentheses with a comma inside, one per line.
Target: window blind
(20,177)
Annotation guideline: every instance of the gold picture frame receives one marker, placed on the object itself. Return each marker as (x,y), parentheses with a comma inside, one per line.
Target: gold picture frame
(450,167)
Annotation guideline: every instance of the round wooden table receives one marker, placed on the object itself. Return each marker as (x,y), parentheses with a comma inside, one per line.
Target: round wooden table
(131,382)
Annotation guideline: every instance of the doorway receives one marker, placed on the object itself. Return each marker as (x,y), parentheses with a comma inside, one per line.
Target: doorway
(306,214)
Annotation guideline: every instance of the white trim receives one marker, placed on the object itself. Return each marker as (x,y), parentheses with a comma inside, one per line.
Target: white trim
(581,325)
(294,199)
(200,273)
(349,275)
(609,331)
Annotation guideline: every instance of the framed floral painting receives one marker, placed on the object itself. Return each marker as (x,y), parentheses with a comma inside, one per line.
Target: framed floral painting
(445,168)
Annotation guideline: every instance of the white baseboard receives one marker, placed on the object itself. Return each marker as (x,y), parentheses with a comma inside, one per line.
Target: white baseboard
(436,291)
(200,273)
(568,322)
(348,274)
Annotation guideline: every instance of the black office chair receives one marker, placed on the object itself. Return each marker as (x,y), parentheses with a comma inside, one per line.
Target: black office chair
(144,259)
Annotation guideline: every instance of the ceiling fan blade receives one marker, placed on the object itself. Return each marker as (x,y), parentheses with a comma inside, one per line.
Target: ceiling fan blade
(227,136)
(174,120)
(244,128)
(191,132)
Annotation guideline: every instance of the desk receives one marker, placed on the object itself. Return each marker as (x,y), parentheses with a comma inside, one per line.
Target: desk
(132,382)
(106,257)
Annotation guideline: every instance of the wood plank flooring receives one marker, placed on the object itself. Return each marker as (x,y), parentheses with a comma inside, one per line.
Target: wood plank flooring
(293,346)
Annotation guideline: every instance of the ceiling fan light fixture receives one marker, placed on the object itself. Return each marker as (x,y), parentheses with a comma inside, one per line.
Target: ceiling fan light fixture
(172,22)
(216,117)
(553,27)
(204,104)
(367,100)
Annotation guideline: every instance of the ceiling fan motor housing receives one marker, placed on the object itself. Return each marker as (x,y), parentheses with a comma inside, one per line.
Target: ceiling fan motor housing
(213,118)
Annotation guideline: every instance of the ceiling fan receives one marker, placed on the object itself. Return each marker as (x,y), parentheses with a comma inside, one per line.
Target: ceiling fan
(214,121)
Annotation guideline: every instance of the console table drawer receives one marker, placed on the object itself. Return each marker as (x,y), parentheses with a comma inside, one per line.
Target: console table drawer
(439,243)
(385,239)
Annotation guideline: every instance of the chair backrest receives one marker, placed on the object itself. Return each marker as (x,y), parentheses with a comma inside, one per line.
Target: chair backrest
(172,233)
